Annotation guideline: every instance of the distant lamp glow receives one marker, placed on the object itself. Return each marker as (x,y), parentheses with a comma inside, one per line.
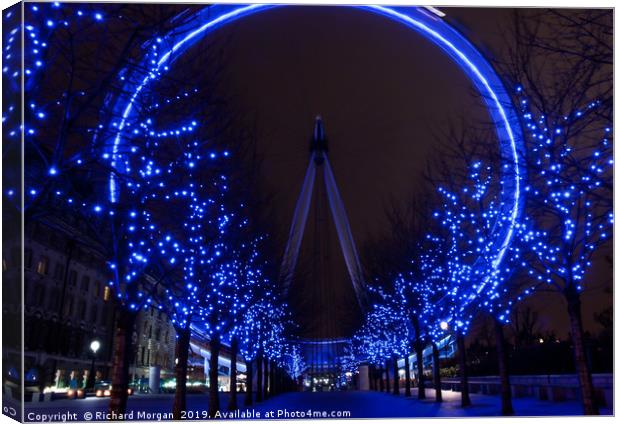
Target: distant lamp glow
(95,345)
(541,341)
(443,325)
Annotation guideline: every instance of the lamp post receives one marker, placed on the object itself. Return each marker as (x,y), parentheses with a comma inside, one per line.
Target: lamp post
(94,347)
(460,343)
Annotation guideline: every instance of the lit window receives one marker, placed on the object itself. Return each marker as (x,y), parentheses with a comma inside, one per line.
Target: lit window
(42,265)
(107,293)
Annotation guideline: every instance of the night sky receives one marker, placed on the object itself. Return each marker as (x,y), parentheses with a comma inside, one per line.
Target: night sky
(383,91)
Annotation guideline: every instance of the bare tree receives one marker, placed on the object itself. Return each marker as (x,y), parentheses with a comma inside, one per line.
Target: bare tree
(524,325)
(560,62)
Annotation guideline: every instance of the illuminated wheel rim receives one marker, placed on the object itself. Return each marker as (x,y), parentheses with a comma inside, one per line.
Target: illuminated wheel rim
(470,60)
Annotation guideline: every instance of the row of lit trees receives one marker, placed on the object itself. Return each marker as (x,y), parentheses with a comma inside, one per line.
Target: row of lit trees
(452,278)
(439,269)
(179,190)
(166,190)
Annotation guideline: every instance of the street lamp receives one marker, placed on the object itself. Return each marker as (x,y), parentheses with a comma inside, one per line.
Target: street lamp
(94,347)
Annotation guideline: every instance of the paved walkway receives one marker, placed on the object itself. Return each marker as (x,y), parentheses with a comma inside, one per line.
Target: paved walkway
(352,404)
(376,405)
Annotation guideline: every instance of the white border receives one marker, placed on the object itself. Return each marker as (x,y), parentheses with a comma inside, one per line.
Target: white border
(462,3)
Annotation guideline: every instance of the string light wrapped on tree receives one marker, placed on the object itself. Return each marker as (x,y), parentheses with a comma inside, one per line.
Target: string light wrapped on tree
(384,333)
(468,274)
(570,163)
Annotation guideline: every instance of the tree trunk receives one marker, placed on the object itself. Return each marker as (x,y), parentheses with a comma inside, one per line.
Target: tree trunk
(180,393)
(232,402)
(419,355)
(248,383)
(407,376)
(371,378)
(460,341)
(214,395)
(281,381)
(387,376)
(436,374)
(266,378)
(396,390)
(272,367)
(502,362)
(272,378)
(581,364)
(123,340)
(380,379)
(259,377)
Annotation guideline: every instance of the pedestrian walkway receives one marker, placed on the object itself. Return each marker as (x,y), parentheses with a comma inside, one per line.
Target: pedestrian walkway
(353,404)
(375,405)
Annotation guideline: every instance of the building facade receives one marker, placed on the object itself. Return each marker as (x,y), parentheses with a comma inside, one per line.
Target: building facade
(155,343)
(67,305)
